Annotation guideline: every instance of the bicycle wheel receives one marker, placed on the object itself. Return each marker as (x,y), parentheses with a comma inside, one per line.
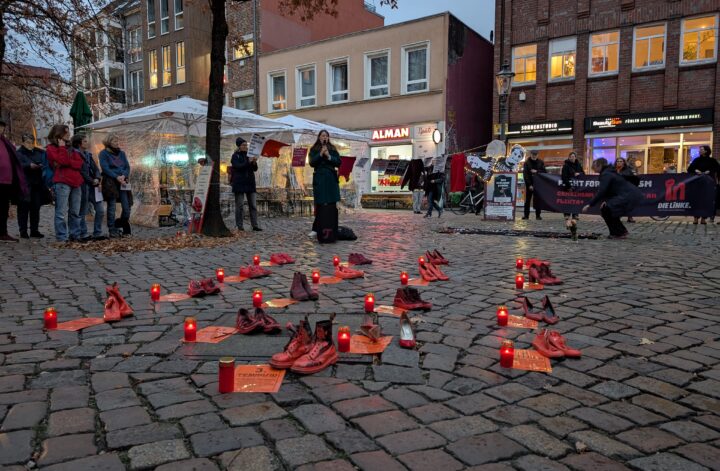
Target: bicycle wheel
(659,218)
(461,207)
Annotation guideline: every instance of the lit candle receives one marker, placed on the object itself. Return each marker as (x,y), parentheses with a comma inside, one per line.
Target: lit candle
(344,339)
(421,261)
(369,302)
(507,353)
(336,260)
(404,278)
(220,275)
(316,276)
(155,292)
(502,316)
(519,281)
(257,298)
(226,373)
(190,329)
(50,318)
(519,264)
(256,260)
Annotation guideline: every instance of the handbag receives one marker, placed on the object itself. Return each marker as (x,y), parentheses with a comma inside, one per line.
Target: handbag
(110,189)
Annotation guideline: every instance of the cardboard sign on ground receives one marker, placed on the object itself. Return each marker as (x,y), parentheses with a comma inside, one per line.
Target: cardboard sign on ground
(528,285)
(258,379)
(522,322)
(329,280)
(531,360)
(214,334)
(174,297)
(78,324)
(235,279)
(282,302)
(364,346)
(418,282)
(392,310)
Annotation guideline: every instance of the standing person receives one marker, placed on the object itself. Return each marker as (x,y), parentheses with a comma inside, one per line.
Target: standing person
(33,161)
(91,177)
(13,187)
(433,190)
(618,196)
(325,159)
(533,166)
(66,164)
(413,178)
(624,170)
(571,168)
(243,184)
(115,175)
(705,164)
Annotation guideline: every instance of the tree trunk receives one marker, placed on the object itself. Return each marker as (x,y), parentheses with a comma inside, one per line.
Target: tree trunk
(213,224)
(2,46)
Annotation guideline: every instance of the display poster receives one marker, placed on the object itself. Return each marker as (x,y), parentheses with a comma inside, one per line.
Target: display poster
(255,146)
(197,208)
(439,163)
(258,379)
(299,156)
(500,197)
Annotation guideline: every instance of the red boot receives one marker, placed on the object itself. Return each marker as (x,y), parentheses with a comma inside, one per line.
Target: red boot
(268,323)
(246,323)
(321,355)
(299,344)
(297,290)
(312,293)
(558,341)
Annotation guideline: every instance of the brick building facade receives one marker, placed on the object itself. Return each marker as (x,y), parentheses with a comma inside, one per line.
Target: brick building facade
(637,79)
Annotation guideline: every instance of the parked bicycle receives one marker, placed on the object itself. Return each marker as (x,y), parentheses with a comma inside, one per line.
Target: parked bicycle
(472,200)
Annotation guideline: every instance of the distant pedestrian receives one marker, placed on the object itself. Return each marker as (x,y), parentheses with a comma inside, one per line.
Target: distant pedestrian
(243,184)
(325,160)
(624,170)
(413,178)
(90,189)
(705,164)
(33,160)
(66,164)
(434,190)
(13,187)
(115,185)
(617,196)
(532,167)
(572,168)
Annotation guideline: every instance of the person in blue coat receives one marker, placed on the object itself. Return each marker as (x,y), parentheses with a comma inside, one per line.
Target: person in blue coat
(115,174)
(91,177)
(243,184)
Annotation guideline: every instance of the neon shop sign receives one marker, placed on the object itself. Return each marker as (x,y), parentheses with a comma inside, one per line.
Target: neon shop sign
(391,133)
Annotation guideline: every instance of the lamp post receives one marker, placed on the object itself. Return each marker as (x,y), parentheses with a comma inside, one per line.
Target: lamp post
(504,80)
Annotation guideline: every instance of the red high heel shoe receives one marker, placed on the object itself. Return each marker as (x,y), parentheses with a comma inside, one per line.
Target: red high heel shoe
(546,276)
(437,272)
(549,315)
(441,259)
(426,274)
(407,332)
(534,274)
(529,310)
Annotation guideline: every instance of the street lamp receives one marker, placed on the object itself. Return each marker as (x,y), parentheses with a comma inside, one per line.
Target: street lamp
(504,80)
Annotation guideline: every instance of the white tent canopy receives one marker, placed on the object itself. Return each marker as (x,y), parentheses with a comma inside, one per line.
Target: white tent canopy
(305,126)
(185,116)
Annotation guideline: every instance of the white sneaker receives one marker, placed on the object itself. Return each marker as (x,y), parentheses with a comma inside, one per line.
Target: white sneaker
(312,234)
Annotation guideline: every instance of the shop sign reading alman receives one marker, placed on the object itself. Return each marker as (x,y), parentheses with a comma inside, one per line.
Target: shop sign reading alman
(661,119)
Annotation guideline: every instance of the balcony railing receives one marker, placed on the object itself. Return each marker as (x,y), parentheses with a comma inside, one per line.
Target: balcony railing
(117,96)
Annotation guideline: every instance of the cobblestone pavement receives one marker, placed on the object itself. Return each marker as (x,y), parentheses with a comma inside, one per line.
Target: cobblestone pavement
(644,396)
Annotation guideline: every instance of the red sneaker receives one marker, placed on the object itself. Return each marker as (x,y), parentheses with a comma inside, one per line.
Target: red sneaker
(546,275)
(288,258)
(321,355)
(299,344)
(277,259)
(358,259)
(246,323)
(542,344)
(209,286)
(558,341)
(252,271)
(268,323)
(195,289)
(348,273)
(407,332)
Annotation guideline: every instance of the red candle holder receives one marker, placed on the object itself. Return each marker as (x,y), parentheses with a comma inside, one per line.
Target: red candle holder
(502,316)
(316,276)
(519,281)
(257,298)
(155,292)
(226,374)
(336,260)
(519,264)
(507,353)
(404,278)
(369,302)
(50,318)
(220,275)
(421,261)
(344,339)
(256,260)
(190,329)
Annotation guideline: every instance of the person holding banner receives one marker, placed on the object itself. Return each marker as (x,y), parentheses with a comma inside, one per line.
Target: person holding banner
(619,197)
(243,184)
(571,168)
(533,165)
(705,164)
(325,159)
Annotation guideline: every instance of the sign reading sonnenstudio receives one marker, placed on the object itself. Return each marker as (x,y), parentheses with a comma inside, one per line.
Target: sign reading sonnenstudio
(545,128)
(662,119)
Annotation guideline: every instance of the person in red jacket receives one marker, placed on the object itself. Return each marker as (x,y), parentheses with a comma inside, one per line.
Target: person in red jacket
(67,181)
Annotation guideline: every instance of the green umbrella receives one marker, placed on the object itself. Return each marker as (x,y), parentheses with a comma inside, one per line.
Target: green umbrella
(80,111)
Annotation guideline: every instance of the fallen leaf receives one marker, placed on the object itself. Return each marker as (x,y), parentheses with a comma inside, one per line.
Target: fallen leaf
(580,447)
(644,341)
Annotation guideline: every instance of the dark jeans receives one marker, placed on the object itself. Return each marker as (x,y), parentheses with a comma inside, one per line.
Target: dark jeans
(567,215)
(615,226)
(5,192)
(252,206)
(432,204)
(529,196)
(30,209)
(124,215)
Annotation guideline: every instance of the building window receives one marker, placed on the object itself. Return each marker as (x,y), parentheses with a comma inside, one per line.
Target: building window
(416,69)
(649,47)
(562,59)
(135,43)
(524,63)
(307,91)
(180,62)
(377,75)
(164,17)
(179,17)
(278,97)
(167,66)
(153,69)
(152,32)
(245,49)
(245,102)
(699,39)
(136,87)
(604,53)
(338,81)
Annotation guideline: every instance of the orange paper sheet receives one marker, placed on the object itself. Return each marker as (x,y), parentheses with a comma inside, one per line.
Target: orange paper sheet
(214,334)
(267,264)
(418,282)
(329,280)
(392,310)
(533,286)
(174,297)
(531,360)
(258,379)
(235,279)
(78,324)
(522,322)
(282,302)
(364,346)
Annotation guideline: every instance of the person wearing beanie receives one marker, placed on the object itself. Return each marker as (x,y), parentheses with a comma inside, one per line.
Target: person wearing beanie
(243,184)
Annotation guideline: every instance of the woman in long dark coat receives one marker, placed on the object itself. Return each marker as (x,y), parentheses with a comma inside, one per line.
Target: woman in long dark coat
(571,168)
(624,170)
(619,197)
(243,184)
(325,159)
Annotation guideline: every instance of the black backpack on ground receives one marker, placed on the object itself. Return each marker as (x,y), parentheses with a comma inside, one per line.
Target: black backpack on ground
(345,233)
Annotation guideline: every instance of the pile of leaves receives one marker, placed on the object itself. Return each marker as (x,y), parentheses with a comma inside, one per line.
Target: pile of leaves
(178,242)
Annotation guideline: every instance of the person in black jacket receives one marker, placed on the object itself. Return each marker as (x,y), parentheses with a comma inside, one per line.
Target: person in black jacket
(571,168)
(705,164)
(533,165)
(32,160)
(624,170)
(91,180)
(413,178)
(619,197)
(433,190)
(243,184)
